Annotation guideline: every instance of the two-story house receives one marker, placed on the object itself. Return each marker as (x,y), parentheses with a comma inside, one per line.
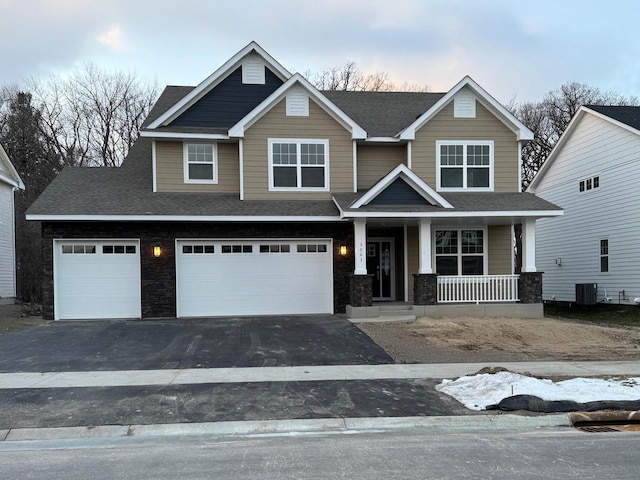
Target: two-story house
(255,193)
(590,254)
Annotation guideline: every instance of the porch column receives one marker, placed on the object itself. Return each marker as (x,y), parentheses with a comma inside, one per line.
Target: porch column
(360,245)
(529,245)
(361,285)
(424,234)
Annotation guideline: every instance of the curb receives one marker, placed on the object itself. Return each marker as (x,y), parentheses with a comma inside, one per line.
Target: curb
(288,427)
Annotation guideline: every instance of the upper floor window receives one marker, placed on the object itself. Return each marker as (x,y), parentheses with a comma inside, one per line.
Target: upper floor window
(296,164)
(464,165)
(200,163)
(589,184)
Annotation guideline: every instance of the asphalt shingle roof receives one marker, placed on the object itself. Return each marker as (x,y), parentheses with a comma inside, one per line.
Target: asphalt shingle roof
(625,114)
(383,114)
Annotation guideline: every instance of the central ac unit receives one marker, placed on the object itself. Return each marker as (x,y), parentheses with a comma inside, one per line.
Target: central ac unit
(586,293)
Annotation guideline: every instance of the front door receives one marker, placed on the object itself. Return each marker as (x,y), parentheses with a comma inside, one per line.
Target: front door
(380,264)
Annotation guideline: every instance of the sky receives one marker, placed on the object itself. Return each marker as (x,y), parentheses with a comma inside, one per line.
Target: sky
(517,50)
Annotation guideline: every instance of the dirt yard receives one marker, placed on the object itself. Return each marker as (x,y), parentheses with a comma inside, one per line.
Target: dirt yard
(462,339)
(465,339)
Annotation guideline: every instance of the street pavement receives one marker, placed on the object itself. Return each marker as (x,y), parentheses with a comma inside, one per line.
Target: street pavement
(233,376)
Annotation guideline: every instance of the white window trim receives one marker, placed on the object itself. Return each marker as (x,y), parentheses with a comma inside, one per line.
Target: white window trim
(185,166)
(464,188)
(299,141)
(485,246)
(601,255)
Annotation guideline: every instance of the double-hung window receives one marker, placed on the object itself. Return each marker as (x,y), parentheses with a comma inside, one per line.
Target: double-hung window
(296,164)
(460,252)
(464,165)
(200,163)
(604,255)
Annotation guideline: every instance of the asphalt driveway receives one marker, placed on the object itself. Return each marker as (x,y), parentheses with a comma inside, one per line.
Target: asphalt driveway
(189,343)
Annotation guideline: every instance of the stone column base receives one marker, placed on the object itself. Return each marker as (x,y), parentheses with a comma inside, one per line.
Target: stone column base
(530,287)
(425,289)
(361,290)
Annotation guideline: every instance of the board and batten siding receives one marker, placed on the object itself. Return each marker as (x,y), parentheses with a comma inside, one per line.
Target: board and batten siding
(485,126)
(595,148)
(275,124)
(375,161)
(7,243)
(170,169)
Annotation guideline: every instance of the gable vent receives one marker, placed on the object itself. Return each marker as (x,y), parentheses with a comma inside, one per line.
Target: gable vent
(464,105)
(297,103)
(253,71)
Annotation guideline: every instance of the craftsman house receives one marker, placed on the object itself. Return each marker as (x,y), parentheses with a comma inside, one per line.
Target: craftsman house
(590,254)
(254,193)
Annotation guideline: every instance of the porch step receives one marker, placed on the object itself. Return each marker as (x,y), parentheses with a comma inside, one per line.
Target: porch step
(386,318)
(394,307)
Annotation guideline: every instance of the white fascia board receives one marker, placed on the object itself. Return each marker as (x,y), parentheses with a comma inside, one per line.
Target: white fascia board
(478,214)
(179,218)
(186,136)
(383,140)
(357,132)
(215,78)
(564,138)
(12,178)
(522,132)
(416,182)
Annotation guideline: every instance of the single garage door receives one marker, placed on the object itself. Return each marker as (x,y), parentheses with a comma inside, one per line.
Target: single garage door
(258,277)
(96,279)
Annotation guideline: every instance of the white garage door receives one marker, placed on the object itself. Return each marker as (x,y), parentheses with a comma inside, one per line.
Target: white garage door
(96,279)
(262,277)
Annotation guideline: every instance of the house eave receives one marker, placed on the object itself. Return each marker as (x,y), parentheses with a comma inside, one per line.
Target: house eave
(180,218)
(177,135)
(449,214)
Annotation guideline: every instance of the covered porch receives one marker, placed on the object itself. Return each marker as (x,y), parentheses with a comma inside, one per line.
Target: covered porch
(443,266)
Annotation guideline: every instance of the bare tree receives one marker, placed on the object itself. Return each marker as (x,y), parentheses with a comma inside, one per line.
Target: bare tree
(348,77)
(92,117)
(549,118)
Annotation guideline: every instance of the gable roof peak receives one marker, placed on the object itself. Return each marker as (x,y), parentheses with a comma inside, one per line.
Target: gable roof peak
(216,77)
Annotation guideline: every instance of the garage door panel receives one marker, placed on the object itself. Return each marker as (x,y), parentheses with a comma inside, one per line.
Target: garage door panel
(92,284)
(255,282)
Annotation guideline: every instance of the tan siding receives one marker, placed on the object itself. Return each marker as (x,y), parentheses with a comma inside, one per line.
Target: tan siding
(484,127)
(374,162)
(413,260)
(500,248)
(275,124)
(170,173)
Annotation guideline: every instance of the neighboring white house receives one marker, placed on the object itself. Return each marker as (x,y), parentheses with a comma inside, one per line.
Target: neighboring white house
(594,174)
(9,182)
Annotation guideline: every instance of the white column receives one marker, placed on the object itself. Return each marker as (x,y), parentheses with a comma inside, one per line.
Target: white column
(360,245)
(424,233)
(529,245)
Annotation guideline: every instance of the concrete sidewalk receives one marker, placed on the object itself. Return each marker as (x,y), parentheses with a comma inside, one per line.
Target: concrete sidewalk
(259,401)
(193,376)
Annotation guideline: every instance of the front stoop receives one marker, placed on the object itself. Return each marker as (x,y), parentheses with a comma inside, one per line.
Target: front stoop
(381,312)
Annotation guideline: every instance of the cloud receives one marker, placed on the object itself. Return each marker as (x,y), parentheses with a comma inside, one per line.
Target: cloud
(112,38)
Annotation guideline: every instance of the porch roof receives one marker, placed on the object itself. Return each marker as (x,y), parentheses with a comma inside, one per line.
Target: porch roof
(483,203)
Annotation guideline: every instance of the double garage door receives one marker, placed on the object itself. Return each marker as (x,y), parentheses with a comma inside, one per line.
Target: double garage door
(102,278)
(258,277)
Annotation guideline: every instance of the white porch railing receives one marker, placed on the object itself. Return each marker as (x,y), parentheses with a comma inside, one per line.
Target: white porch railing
(477,288)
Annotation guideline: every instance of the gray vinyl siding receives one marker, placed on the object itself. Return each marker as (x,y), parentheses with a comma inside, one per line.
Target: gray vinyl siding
(484,127)
(170,169)
(7,242)
(275,124)
(375,161)
(595,148)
